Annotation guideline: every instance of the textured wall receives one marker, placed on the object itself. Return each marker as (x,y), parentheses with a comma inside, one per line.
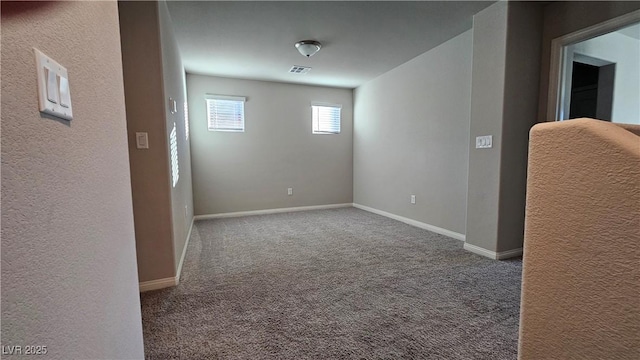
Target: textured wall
(582,243)
(173,77)
(68,258)
(251,170)
(411,132)
(146,112)
(564,17)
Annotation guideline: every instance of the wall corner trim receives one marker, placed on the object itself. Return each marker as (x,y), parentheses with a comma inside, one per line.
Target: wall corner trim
(270,211)
(492,254)
(432,228)
(184,252)
(158,284)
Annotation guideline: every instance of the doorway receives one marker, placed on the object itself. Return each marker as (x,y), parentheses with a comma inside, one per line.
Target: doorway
(591,91)
(595,71)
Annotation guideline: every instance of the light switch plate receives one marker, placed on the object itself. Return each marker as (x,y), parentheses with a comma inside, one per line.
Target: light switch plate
(484,142)
(52,78)
(142,140)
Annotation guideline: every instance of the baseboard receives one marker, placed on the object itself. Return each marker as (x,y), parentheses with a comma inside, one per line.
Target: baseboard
(157,284)
(492,254)
(270,211)
(509,254)
(170,281)
(184,252)
(432,228)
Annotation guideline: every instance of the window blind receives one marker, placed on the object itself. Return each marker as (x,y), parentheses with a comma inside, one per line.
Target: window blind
(173,144)
(186,120)
(225,113)
(326,118)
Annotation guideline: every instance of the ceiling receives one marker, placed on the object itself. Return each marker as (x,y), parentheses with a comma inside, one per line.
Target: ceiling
(360,40)
(631,31)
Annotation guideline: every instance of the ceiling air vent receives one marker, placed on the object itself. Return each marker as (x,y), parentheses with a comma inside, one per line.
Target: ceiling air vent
(297,69)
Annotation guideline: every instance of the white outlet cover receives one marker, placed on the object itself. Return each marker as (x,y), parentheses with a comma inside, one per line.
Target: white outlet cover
(61,95)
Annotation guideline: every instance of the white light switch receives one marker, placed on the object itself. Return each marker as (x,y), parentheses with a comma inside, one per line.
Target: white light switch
(142,140)
(54,96)
(52,86)
(484,142)
(65,98)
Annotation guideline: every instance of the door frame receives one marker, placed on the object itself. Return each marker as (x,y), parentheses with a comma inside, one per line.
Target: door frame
(557,70)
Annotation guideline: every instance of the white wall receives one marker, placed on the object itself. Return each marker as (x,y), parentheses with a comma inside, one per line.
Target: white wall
(251,170)
(624,51)
(411,132)
(68,258)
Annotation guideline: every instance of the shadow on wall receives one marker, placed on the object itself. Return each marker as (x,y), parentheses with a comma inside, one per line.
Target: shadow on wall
(10,8)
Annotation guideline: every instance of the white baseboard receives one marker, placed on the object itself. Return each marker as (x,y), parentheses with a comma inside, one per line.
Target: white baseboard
(158,284)
(509,254)
(170,281)
(432,228)
(492,254)
(184,252)
(270,211)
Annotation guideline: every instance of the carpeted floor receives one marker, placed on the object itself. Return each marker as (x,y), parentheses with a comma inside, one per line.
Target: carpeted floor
(332,284)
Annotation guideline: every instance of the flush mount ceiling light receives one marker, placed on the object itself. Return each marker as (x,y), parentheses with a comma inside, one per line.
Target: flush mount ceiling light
(308,47)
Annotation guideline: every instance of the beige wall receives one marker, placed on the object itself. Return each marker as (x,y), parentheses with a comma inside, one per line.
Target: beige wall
(487,102)
(563,18)
(175,88)
(68,256)
(153,73)
(251,170)
(506,53)
(411,132)
(522,76)
(150,173)
(582,243)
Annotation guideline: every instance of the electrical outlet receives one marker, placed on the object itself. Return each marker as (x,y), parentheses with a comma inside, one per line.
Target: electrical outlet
(289,191)
(413,199)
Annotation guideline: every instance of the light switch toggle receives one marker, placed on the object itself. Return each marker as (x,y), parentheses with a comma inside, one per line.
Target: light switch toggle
(52,85)
(65,98)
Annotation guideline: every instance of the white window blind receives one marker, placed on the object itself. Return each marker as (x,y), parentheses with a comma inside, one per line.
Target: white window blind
(186,120)
(225,113)
(173,143)
(325,118)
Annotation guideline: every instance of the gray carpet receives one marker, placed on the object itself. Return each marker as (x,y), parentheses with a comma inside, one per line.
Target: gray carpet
(332,284)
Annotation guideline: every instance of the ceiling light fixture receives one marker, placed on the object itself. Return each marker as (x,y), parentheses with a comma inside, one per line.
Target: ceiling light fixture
(308,47)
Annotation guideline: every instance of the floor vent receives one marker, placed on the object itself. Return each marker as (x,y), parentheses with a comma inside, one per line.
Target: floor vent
(297,69)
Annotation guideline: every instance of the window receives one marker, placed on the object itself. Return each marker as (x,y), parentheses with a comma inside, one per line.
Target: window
(225,113)
(173,142)
(325,118)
